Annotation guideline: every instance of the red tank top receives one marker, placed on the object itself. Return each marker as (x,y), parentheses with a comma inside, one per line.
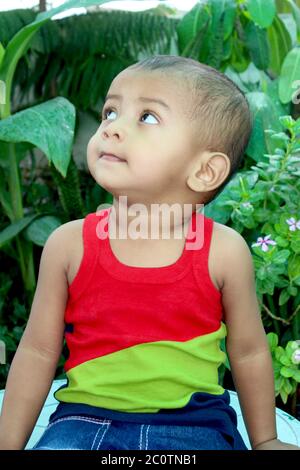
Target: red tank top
(142,339)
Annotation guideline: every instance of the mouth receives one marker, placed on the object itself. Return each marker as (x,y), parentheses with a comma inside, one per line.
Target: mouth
(111,157)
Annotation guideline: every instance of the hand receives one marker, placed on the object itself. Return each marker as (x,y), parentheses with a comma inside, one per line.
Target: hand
(275,444)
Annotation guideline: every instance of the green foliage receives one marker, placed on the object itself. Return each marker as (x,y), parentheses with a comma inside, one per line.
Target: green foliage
(261,12)
(48,126)
(280,44)
(263,204)
(77,58)
(286,366)
(290,76)
(69,192)
(38,231)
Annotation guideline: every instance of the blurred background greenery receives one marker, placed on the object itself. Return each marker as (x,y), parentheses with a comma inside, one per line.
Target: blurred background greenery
(62,69)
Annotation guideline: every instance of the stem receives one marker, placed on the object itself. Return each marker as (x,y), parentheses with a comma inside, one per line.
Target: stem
(283,310)
(282,168)
(14,184)
(21,257)
(24,248)
(272,308)
(30,281)
(293,401)
(295,327)
(271,303)
(5,108)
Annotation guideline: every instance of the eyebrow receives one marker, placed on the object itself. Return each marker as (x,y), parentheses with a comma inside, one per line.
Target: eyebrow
(141,98)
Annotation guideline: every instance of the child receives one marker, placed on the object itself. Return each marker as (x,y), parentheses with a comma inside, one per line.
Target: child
(143,316)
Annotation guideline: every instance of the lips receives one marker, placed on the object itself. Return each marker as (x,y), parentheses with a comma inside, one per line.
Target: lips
(111,156)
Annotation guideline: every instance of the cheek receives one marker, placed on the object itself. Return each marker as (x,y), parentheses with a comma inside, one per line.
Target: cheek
(92,152)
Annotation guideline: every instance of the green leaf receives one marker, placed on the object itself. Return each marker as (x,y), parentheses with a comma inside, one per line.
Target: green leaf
(294,267)
(229,18)
(287,121)
(40,229)
(279,383)
(270,87)
(285,360)
(240,56)
(2,52)
(49,126)
(262,11)
(190,25)
(256,41)
(279,352)
(296,13)
(297,376)
(281,256)
(272,340)
(289,75)
(282,242)
(284,396)
(297,281)
(12,230)
(281,137)
(280,44)
(287,371)
(284,297)
(291,347)
(265,116)
(292,290)
(20,43)
(21,150)
(288,387)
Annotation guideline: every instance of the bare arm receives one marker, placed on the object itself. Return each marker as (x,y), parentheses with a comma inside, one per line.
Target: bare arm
(34,364)
(246,344)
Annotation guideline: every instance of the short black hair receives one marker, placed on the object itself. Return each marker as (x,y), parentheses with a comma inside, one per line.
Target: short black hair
(219,109)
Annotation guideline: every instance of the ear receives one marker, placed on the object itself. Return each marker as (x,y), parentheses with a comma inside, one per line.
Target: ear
(208,171)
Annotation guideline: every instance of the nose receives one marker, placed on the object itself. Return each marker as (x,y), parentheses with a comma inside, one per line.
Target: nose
(113,129)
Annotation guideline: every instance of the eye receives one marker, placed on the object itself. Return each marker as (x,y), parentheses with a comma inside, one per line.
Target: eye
(146,113)
(105,112)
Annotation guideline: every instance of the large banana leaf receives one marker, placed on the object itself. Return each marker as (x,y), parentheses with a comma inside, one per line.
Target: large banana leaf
(49,126)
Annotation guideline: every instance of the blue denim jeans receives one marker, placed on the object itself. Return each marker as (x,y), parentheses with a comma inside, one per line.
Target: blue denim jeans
(91,433)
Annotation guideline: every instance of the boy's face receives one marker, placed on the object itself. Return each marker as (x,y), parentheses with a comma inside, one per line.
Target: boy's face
(156,141)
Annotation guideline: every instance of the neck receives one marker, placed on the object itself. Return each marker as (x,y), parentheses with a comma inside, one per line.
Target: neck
(154,221)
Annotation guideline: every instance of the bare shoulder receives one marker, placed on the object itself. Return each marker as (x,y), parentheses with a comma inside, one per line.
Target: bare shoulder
(229,250)
(67,242)
(227,234)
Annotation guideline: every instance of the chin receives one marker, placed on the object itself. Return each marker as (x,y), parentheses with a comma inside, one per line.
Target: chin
(105,183)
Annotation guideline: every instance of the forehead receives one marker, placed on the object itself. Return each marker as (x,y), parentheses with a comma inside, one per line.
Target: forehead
(133,84)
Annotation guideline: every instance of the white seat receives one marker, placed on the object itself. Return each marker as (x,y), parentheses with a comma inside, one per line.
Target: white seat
(288,427)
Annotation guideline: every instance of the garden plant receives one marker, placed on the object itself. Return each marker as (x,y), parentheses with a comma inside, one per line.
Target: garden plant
(47,91)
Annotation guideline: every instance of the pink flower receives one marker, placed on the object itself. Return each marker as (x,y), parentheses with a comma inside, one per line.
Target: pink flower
(264,242)
(293,224)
